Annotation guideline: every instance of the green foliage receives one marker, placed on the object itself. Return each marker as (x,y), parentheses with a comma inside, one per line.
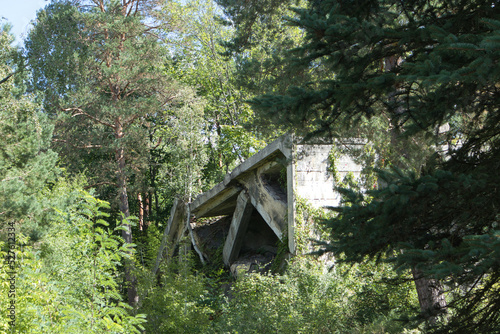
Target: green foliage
(195,44)
(307,227)
(103,77)
(461,257)
(182,149)
(388,71)
(253,20)
(259,46)
(114,101)
(178,302)
(309,299)
(56,71)
(27,165)
(70,282)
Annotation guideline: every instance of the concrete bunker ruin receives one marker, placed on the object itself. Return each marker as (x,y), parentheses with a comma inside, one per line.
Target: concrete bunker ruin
(254,206)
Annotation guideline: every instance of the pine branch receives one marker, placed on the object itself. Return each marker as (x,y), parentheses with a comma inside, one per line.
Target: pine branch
(79,111)
(75,146)
(6,78)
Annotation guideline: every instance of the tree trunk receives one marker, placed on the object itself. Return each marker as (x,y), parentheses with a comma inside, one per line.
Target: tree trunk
(133,297)
(141,211)
(430,297)
(146,208)
(429,291)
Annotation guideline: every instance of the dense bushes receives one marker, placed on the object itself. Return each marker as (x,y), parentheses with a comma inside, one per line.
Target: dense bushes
(306,298)
(179,302)
(69,282)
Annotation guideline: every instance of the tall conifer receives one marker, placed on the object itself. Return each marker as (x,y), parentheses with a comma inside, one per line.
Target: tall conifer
(100,65)
(26,162)
(442,218)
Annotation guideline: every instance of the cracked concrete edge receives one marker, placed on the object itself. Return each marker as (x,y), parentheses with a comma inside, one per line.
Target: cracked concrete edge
(281,145)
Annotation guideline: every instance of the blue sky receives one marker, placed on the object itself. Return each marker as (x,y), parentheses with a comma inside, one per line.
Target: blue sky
(20,13)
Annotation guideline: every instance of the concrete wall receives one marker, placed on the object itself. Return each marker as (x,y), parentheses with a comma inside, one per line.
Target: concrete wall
(313,181)
(310,178)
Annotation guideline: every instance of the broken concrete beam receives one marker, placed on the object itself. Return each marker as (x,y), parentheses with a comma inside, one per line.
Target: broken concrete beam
(280,148)
(172,232)
(218,201)
(270,206)
(237,229)
(308,175)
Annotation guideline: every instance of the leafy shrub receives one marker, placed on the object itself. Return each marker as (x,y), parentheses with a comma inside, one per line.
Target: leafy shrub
(308,298)
(69,281)
(179,302)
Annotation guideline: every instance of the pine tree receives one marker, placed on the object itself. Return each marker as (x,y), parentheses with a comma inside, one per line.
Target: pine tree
(27,164)
(101,68)
(259,47)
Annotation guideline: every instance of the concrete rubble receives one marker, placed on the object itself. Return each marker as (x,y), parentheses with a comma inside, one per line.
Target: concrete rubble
(254,205)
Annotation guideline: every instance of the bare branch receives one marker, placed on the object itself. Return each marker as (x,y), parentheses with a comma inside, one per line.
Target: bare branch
(99,184)
(79,111)
(76,146)
(6,78)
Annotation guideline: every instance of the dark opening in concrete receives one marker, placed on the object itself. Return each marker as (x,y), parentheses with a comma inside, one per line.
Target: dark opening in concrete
(274,181)
(259,238)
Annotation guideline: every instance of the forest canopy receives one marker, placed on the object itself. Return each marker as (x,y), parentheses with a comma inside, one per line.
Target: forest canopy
(112,109)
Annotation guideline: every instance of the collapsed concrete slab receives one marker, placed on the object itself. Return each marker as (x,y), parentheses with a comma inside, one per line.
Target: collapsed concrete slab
(260,196)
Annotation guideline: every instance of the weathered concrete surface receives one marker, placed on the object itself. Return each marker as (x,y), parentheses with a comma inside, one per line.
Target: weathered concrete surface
(221,199)
(218,201)
(267,200)
(173,231)
(312,179)
(309,177)
(268,182)
(238,229)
